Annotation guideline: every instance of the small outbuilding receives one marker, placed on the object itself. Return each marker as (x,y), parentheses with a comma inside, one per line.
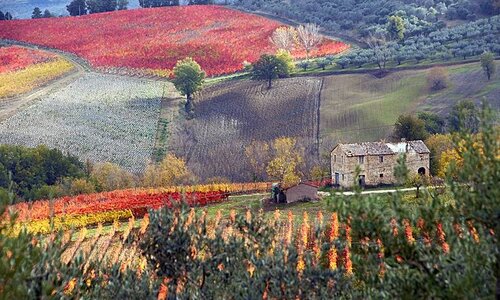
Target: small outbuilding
(300,192)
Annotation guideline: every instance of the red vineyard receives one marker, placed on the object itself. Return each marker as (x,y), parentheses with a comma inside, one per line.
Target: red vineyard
(219,39)
(15,58)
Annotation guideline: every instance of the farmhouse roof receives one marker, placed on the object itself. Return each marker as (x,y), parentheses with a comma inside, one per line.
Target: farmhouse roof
(380,148)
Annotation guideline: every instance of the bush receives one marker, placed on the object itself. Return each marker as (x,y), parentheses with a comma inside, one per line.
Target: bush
(437,79)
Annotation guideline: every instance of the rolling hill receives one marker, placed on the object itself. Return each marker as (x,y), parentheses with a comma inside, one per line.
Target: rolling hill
(218,38)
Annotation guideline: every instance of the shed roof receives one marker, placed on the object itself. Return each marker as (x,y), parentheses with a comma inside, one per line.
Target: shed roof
(302,183)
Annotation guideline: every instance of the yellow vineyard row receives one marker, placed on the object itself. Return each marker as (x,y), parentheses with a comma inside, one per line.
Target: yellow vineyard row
(25,80)
(72,221)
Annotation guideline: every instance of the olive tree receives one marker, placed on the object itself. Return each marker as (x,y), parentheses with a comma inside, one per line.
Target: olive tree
(488,64)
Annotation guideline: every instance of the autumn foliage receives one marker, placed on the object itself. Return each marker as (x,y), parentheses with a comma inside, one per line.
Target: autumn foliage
(219,39)
(15,58)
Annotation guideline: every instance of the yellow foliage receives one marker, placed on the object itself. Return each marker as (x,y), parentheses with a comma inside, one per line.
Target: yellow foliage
(72,221)
(25,80)
(171,171)
(447,157)
(287,58)
(287,158)
(111,177)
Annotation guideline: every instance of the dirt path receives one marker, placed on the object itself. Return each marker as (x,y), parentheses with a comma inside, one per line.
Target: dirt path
(12,105)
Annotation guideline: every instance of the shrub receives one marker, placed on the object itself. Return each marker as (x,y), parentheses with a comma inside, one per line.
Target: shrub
(437,79)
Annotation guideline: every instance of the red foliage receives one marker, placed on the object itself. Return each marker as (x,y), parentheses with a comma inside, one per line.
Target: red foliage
(138,201)
(15,58)
(219,39)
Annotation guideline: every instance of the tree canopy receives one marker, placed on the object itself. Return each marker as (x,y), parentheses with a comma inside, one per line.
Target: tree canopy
(37,13)
(270,67)
(188,79)
(464,116)
(77,8)
(410,128)
(488,64)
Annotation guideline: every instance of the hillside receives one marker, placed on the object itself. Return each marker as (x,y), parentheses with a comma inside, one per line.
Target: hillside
(362,107)
(231,115)
(353,108)
(219,39)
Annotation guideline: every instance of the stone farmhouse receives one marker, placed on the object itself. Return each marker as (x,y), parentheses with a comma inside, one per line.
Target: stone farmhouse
(376,161)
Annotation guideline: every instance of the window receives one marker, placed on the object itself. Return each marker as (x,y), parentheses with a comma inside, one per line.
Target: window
(381,175)
(335,158)
(361,160)
(342,177)
(381,158)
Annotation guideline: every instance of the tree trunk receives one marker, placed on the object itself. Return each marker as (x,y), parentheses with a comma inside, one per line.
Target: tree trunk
(418,192)
(189,105)
(270,83)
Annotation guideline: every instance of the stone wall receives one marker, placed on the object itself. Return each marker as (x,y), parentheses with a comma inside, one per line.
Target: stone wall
(376,172)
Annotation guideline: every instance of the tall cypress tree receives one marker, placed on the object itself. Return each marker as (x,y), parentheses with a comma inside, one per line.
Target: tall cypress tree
(77,8)
(37,13)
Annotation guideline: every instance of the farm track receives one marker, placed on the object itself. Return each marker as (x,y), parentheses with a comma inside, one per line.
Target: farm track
(376,72)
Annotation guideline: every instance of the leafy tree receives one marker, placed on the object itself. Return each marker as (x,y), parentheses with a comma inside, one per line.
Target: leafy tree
(323,63)
(488,64)
(8,16)
(200,2)
(188,79)
(417,181)
(287,59)
(409,128)
(319,173)
(437,79)
(111,177)
(31,168)
(464,116)
(37,13)
(257,153)
(169,172)
(269,67)
(98,6)
(438,144)
(47,14)
(304,65)
(396,27)
(343,62)
(286,159)
(77,8)
(433,123)
(122,4)
(158,3)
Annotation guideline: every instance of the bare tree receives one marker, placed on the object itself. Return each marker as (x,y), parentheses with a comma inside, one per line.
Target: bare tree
(309,37)
(381,53)
(284,38)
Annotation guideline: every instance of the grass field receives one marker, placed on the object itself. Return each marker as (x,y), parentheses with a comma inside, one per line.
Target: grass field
(362,107)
